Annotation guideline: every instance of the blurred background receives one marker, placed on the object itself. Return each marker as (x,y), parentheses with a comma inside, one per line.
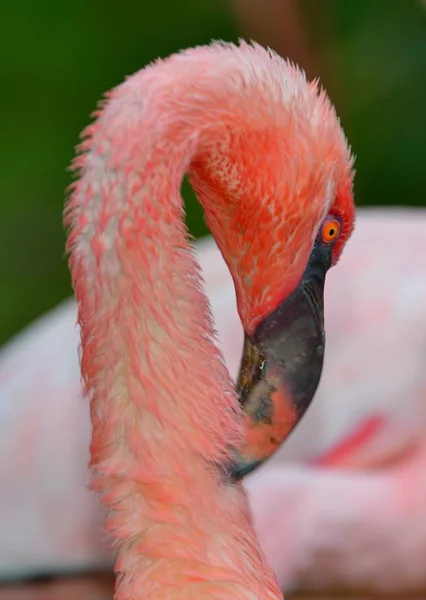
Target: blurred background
(59,58)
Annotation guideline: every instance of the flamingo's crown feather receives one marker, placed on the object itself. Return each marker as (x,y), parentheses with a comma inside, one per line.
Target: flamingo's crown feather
(252,73)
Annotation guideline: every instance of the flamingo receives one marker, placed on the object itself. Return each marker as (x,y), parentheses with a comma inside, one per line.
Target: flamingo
(273,172)
(374,356)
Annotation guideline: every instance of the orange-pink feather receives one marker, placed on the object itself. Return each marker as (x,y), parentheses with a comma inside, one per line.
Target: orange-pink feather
(268,159)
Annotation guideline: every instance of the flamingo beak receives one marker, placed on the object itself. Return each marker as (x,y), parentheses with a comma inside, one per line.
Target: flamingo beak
(281,367)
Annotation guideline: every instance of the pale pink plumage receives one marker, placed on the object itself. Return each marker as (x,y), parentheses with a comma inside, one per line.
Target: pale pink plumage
(372,368)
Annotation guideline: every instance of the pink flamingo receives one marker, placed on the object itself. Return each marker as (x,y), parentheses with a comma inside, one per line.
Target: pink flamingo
(374,357)
(269,162)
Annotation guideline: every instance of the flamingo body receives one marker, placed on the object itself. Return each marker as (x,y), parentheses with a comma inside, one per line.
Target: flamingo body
(354,545)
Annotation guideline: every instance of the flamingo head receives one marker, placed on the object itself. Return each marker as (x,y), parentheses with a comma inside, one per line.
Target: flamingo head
(274,174)
(283,358)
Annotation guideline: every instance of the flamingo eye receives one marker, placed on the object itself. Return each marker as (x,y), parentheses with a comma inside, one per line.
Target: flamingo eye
(330,230)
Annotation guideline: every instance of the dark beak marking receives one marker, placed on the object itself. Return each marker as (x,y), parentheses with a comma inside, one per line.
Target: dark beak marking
(281,368)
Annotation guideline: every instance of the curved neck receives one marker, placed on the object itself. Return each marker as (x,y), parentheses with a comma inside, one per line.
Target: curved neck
(163,407)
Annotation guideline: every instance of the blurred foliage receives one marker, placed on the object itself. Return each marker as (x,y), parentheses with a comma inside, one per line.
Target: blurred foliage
(376,59)
(59,58)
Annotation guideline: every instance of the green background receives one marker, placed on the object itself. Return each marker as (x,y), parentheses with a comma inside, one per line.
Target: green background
(59,58)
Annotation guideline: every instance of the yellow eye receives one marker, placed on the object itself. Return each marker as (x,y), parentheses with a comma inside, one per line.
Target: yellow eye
(330,230)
